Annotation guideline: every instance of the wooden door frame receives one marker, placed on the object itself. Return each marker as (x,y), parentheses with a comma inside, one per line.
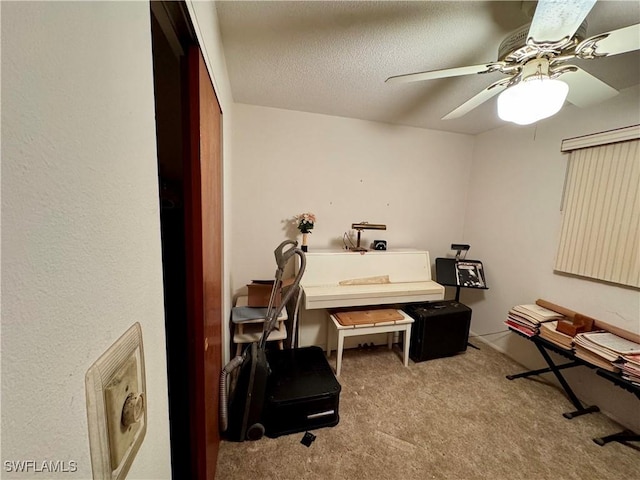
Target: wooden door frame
(174,21)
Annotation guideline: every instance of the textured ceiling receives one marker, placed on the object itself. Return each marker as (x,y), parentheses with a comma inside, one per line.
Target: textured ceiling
(333,57)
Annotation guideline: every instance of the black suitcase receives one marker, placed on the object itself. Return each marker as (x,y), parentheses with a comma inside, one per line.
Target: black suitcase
(440,329)
(247,400)
(302,392)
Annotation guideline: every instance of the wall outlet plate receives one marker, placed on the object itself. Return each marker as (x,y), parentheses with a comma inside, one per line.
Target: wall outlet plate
(117,406)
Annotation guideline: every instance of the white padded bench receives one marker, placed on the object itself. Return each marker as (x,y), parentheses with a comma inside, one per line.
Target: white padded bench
(389,328)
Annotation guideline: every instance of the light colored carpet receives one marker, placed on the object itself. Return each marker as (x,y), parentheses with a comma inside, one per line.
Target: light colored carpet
(449,418)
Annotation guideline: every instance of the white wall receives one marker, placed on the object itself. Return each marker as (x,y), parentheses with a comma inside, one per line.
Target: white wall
(344,171)
(81,243)
(513,226)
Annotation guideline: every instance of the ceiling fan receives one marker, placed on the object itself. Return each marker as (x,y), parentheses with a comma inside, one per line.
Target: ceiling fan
(535,56)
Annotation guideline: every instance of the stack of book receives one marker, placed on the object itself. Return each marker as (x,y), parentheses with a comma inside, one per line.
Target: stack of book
(604,349)
(526,319)
(548,331)
(630,368)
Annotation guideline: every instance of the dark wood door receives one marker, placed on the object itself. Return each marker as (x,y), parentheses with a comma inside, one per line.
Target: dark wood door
(204,247)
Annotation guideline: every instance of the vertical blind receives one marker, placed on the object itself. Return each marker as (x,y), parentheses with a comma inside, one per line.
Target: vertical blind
(600,234)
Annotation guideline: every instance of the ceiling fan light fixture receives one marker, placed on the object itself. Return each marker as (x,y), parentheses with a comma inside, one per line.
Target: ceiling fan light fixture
(532,99)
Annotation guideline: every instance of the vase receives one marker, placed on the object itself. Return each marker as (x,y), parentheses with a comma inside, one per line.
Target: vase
(304,241)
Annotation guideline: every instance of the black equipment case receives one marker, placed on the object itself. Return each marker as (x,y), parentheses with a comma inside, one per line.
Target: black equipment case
(440,329)
(302,392)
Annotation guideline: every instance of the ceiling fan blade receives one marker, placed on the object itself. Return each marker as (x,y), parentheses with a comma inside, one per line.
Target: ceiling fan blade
(449,72)
(610,43)
(554,20)
(585,89)
(489,92)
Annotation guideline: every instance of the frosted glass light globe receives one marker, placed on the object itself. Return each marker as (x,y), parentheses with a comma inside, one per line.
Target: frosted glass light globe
(532,99)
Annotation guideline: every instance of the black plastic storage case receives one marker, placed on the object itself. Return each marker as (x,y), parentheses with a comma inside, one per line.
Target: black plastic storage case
(440,329)
(302,392)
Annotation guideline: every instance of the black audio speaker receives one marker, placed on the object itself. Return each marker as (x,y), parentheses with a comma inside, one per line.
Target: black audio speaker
(440,329)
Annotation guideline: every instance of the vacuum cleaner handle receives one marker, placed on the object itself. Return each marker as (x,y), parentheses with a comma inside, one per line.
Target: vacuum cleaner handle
(272,312)
(282,255)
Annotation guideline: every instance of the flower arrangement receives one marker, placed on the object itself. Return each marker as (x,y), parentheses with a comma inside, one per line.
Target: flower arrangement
(305,222)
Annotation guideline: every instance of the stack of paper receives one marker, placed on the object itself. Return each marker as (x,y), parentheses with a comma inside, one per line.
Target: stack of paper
(604,348)
(548,331)
(630,366)
(527,318)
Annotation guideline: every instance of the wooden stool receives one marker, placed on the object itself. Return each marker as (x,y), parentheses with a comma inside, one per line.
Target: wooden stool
(249,331)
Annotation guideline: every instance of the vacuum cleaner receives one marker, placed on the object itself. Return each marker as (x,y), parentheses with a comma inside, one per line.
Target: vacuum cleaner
(241,412)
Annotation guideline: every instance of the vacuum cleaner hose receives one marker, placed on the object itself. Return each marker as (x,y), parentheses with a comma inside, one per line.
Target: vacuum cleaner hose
(228,368)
